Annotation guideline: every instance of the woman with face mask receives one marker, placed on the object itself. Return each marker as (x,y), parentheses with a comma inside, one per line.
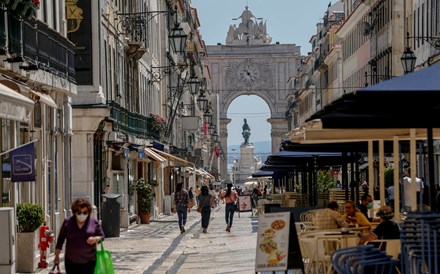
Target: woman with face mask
(81,232)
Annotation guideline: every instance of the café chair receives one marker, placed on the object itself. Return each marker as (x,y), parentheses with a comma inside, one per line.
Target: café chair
(391,246)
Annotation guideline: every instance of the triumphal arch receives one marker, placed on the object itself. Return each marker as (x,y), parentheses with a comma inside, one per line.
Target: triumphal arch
(249,63)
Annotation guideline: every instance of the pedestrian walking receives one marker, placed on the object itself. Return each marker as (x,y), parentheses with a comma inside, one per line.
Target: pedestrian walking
(191,199)
(81,232)
(230,196)
(181,200)
(206,203)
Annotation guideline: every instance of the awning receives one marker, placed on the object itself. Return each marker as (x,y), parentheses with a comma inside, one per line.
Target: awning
(173,158)
(307,135)
(154,155)
(14,106)
(262,173)
(205,173)
(44,98)
(200,172)
(19,87)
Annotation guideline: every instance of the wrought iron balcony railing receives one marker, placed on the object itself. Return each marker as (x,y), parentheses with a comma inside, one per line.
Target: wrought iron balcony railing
(40,46)
(132,123)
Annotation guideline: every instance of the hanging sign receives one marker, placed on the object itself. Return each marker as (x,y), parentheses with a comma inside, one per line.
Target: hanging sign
(22,163)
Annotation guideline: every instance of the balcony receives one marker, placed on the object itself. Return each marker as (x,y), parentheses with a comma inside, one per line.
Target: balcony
(132,123)
(39,45)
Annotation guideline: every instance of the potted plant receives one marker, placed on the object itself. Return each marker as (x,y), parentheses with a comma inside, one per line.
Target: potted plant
(29,219)
(157,122)
(145,198)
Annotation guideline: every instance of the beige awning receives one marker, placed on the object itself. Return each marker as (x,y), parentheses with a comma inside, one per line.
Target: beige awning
(14,106)
(312,132)
(205,174)
(20,87)
(176,160)
(44,98)
(154,155)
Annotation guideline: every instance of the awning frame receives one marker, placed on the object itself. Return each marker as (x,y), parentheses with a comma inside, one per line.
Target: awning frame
(154,155)
(173,158)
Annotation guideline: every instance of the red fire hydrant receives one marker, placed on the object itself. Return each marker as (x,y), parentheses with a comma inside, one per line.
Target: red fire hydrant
(46,237)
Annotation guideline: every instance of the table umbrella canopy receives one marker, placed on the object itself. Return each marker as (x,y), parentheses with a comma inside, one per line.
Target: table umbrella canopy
(262,173)
(284,159)
(409,101)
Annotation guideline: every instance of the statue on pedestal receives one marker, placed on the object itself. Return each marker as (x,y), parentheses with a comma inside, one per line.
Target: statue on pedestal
(246,132)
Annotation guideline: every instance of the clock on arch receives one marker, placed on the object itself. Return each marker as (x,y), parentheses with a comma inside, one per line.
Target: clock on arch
(249,71)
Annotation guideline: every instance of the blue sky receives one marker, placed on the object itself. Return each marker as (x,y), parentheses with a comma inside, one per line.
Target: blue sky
(288,22)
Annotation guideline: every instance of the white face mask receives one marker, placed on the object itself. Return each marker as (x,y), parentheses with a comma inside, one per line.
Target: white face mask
(82,217)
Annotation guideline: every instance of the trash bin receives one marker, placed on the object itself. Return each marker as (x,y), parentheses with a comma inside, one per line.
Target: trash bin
(111,215)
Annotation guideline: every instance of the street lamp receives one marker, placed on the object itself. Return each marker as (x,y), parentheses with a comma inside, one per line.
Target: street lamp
(408,57)
(207,116)
(211,129)
(193,84)
(177,38)
(215,136)
(408,60)
(202,102)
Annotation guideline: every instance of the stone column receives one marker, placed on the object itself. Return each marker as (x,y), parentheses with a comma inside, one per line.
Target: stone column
(279,131)
(223,129)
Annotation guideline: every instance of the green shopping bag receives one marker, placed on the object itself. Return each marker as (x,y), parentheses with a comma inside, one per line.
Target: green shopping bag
(104,263)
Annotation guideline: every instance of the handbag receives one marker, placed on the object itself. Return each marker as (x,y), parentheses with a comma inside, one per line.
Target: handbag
(199,208)
(191,204)
(235,205)
(55,269)
(104,263)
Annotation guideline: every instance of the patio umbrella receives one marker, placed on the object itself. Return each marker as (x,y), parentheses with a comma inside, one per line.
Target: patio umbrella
(408,101)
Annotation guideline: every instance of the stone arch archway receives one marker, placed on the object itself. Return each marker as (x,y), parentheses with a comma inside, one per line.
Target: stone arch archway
(261,70)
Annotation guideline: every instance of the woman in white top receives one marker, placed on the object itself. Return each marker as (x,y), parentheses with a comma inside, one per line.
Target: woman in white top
(230,197)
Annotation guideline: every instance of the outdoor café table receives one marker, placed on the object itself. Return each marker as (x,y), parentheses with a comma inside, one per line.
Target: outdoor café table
(315,250)
(349,239)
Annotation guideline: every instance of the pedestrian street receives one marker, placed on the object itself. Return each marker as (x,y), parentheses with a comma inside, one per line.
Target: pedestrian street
(159,247)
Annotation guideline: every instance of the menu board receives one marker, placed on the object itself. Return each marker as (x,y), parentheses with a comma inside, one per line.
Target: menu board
(245,203)
(272,241)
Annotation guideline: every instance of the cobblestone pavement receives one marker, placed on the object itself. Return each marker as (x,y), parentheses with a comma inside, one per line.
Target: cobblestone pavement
(159,247)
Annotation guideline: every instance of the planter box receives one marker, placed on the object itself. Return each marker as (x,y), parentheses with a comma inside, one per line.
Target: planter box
(26,259)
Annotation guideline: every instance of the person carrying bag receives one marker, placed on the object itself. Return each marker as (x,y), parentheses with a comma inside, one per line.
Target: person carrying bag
(81,233)
(200,207)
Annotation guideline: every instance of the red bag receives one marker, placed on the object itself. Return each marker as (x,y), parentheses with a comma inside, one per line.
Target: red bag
(259,193)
